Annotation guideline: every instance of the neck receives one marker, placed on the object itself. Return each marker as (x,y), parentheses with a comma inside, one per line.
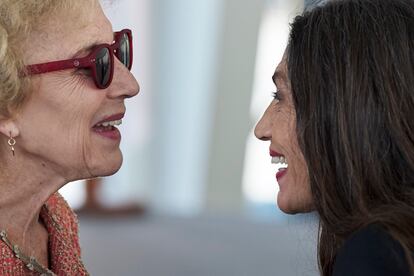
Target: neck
(26,185)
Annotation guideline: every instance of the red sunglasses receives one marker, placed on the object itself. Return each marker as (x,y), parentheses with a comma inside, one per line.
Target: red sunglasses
(100,61)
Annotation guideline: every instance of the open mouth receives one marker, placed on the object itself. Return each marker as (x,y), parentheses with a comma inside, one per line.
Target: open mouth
(281,162)
(107,127)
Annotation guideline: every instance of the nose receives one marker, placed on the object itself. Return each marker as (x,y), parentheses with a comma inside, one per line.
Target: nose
(123,84)
(263,129)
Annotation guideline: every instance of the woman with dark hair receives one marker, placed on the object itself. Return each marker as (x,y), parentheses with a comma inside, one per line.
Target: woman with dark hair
(342,119)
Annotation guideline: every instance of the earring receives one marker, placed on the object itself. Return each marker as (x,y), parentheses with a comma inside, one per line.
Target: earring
(11,143)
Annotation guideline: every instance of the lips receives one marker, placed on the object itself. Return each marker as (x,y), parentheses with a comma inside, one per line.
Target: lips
(110,118)
(105,127)
(274,153)
(281,173)
(279,159)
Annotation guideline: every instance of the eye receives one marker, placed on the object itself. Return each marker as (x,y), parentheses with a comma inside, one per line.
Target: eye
(276,95)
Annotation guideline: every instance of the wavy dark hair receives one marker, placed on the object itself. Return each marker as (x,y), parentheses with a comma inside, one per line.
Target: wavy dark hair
(351,67)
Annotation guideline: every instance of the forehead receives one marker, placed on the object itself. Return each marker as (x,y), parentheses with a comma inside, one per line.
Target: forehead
(280,76)
(61,39)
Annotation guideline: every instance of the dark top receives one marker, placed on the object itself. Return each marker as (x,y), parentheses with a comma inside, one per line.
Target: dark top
(371,251)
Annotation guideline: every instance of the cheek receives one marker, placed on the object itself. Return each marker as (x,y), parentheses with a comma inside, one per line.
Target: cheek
(56,126)
(72,121)
(76,130)
(55,139)
(295,195)
(301,181)
(301,178)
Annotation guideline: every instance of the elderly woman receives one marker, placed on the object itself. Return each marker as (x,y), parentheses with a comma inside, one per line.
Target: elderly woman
(64,76)
(342,119)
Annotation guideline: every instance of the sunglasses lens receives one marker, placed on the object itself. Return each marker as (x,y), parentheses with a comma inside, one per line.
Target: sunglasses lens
(103,66)
(123,53)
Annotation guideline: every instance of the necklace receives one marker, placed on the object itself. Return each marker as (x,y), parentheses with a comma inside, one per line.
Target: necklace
(30,262)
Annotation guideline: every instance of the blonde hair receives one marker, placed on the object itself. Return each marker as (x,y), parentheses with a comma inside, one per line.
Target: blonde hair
(18,18)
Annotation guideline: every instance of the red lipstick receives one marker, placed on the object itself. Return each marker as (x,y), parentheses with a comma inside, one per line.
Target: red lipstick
(274,153)
(281,173)
(110,132)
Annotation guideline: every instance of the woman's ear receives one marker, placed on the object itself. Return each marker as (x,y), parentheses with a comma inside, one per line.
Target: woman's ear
(9,128)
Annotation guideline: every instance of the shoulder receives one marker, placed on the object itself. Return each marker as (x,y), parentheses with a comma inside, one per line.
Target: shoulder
(371,251)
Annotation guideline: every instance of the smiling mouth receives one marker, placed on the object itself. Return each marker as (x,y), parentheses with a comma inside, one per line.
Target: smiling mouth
(107,127)
(281,162)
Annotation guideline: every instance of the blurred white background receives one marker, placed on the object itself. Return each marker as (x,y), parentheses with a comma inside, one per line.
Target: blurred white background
(190,156)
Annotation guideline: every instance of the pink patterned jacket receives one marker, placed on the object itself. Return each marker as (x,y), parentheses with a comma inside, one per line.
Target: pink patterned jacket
(64,249)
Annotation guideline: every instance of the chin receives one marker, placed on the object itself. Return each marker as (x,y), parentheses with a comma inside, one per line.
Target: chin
(288,210)
(109,171)
(292,206)
(109,167)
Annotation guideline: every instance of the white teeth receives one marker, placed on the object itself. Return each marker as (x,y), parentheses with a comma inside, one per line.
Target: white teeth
(279,160)
(111,123)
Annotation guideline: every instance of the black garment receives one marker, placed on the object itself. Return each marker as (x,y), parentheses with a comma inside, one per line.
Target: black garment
(371,251)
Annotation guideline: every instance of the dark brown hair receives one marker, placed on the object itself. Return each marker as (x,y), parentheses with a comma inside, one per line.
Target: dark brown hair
(351,67)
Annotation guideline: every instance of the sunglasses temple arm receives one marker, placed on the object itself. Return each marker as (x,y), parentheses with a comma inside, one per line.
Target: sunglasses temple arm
(58,65)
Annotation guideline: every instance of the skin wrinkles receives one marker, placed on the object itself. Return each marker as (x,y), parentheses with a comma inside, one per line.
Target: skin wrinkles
(68,81)
(278,125)
(53,130)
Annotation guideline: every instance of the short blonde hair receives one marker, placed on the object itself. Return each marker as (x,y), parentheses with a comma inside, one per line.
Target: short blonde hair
(18,18)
